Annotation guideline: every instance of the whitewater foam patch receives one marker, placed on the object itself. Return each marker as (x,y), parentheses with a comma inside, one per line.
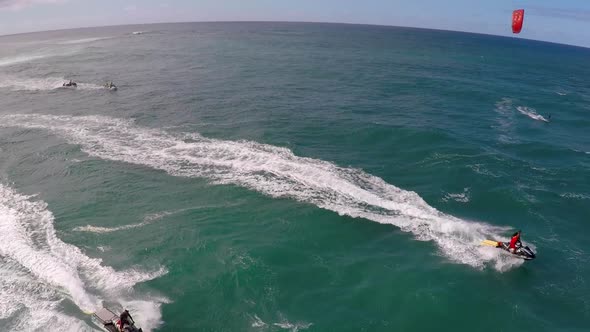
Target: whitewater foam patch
(283,324)
(100,230)
(575,196)
(82,41)
(505,121)
(23,58)
(31,84)
(258,322)
(273,171)
(462,197)
(40,84)
(482,170)
(89,86)
(20,59)
(39,271)
(293,327)
(531,113)
(28,304)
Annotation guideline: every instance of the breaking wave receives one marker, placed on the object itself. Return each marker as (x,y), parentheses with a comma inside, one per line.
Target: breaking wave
(276,172)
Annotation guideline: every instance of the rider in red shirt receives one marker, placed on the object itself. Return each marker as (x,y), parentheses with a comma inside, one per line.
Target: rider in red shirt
(514,241)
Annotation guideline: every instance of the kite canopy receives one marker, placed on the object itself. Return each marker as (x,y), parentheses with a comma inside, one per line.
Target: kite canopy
(517,19)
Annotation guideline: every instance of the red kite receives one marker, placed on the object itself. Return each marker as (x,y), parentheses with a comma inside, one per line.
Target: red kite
(517,19)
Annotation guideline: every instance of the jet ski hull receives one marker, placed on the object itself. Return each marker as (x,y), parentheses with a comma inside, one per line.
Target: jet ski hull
(522,252)
(110,321)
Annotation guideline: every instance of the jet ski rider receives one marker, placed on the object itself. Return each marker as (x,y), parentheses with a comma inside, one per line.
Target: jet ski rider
(124,319)
(514,242)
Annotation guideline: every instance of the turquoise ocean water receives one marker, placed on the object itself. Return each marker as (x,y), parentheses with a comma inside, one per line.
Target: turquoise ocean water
(291,177)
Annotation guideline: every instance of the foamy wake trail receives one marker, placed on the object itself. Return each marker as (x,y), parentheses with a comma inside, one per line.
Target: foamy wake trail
(82,41)
(38,271)
(505,120)
(276,172)
(8,61)
(41,84)
(146,221)
(531,113)
(22,58)
(31,84)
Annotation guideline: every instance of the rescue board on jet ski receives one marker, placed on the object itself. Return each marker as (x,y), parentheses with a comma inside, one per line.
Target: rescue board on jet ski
(491,243)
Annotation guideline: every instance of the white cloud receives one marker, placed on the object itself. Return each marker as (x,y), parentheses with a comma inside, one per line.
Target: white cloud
(20,4)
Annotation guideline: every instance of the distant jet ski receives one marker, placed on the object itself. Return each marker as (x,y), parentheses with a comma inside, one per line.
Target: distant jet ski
(521,251)
(70,84)
(110,86)
(112,322)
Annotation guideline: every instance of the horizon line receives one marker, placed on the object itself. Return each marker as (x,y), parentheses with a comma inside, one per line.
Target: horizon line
(300,22)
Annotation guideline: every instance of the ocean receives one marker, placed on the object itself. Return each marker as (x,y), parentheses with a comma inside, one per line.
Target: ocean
(293,177)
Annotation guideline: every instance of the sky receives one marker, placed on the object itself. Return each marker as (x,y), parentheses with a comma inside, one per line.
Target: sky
(562,21)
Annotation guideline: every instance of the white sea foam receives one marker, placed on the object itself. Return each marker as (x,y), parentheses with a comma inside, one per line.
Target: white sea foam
(82,41)
(258,322)
(293,327)
(462,197)
(149,219)
(480,169)
(273,171)
(40,84)
(531,113)
(282,324)
(23,58)
(504,106)
(89,86)
(146,221)
(29,304)
(39,271)
(20,59)
(575,196)
(31,84)
(505,120)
